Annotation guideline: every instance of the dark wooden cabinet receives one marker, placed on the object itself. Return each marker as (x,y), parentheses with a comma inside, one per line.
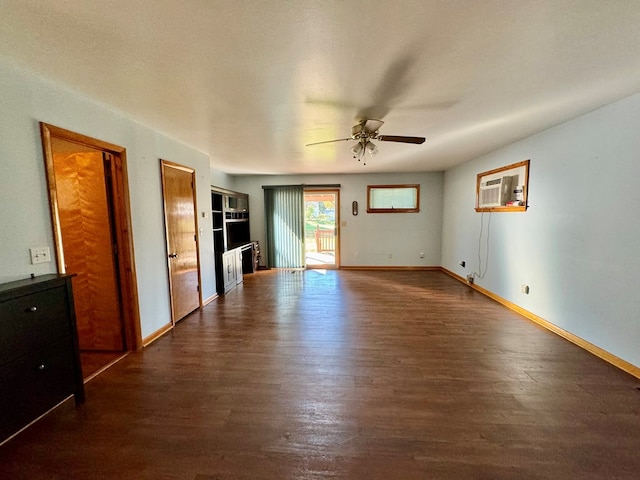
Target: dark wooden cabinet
(39,356)
(250,257)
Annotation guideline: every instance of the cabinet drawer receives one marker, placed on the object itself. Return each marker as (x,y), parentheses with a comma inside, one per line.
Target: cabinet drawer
(32,322)
(33,384)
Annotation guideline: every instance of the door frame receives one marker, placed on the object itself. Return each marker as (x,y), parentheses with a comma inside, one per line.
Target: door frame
(336,191)
(192,171)
(122,217)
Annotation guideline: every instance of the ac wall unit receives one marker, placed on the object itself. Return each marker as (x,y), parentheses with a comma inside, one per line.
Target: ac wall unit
(496,192)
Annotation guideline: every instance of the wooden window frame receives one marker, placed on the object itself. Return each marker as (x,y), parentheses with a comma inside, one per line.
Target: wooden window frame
(506,170)
(372,209)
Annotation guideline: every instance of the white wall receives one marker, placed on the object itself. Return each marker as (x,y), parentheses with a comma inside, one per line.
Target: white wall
(221,179)
(577,246)
(26,100)
(368,239)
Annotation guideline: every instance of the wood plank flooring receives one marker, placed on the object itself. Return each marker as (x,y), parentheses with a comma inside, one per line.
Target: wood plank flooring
(93,361)
(345,375)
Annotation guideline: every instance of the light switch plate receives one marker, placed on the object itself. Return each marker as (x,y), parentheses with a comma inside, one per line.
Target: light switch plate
(40,255)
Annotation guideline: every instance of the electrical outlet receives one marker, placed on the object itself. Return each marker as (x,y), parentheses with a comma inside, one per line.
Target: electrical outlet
(421,254)
(40,255)
(389,255)
(470,279)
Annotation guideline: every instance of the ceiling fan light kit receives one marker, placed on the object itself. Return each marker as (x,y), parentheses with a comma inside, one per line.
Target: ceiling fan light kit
(371,148)
(357,149)
(365,131)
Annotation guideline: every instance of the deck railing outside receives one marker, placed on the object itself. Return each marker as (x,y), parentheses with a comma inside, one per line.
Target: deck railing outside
(325,240)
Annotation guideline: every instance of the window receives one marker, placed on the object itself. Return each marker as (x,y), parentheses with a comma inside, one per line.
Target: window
(503,189)
(393,198)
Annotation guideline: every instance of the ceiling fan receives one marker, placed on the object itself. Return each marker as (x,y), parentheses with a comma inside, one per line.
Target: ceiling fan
(366,130)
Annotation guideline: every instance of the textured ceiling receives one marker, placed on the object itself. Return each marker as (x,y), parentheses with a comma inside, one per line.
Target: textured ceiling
(252,82)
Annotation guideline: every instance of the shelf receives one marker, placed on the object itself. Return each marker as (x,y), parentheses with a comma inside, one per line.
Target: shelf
(230,219)
(229,216)
(216,202)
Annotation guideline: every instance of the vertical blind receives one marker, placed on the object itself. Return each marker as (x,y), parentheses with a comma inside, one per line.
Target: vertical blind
(284,213)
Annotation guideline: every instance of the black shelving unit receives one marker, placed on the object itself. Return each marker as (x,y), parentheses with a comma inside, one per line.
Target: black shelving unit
(217,219)
(230,219)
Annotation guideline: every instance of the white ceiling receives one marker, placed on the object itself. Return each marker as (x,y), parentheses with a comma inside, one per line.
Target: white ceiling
(251,82)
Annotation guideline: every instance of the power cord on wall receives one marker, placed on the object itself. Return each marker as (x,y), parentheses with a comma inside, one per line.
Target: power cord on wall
(480,274)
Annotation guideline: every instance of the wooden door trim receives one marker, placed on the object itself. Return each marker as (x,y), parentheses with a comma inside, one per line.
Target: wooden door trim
(184,168)
(122,215)
(192,172)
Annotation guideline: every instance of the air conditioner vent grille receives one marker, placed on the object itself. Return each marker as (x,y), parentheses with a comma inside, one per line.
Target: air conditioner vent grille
(495,192)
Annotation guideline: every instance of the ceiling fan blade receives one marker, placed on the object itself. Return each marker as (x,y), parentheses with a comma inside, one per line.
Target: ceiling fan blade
(328,141)
(401,139)
(372,125)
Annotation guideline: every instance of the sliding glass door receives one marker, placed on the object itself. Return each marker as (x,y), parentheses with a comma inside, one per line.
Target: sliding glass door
(321,226)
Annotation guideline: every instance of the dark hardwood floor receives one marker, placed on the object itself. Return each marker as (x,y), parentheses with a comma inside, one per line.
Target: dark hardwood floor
(345,375)
(93,361)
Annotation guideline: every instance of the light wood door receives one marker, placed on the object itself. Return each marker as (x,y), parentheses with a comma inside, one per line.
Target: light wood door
(178,184)
(126,318)
(84,196)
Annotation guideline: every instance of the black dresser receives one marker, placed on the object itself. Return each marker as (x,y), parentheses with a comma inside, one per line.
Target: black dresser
(39,356)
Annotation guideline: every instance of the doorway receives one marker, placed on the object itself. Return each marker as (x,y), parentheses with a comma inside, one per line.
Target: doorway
(321,224)
(178,191)
(91,222)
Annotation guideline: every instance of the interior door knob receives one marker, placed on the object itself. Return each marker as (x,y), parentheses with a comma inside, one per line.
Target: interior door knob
(173,255)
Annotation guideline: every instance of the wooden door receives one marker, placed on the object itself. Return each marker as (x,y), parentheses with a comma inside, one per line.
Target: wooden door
(84,199)
(178,185)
